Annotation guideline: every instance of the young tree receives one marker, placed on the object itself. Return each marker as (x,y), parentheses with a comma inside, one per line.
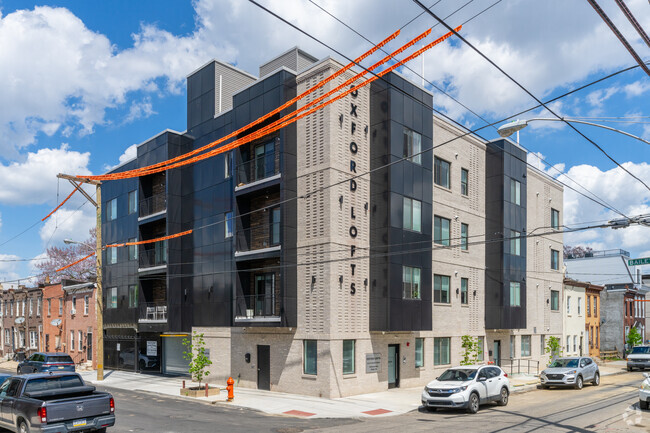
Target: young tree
(58,257)
(196,356)
(470,350)
(553,347)
(633,338)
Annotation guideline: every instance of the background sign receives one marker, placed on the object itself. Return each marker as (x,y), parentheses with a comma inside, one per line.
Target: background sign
(373,362)
(636,262)
(152,348)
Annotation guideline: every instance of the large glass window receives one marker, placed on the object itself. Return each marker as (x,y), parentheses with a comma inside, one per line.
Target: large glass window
(133,201)
(515,243)
(412,146)
(419,352)
(133,249)
(464,237)
(525,345)
(441,288)
(264,161)
(112,298)
(464,287)
(441,351)
(111,210)
(555,218)
(227,169)
(228,222)
(412,214)
(555,300)
(275,226)
(348,356)
(555,259)
(411,282)
(464,181)
(441,230)
(441,172)
(515,294)
(515,191)
(133,296)
(310,357)
(112,256)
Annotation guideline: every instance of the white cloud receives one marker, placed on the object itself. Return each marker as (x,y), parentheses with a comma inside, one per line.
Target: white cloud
(598,97)
(33,181)
(140,110)
(68,223)
(636,88)
(130,153)
(8,268)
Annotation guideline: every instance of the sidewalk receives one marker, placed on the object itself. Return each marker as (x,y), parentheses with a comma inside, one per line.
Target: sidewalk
(387,403)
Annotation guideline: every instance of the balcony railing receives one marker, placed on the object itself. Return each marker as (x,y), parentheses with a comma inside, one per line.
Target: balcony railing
(258,168)
(151,205)
(255,306)
(153,312)
(152,257)
(258,237)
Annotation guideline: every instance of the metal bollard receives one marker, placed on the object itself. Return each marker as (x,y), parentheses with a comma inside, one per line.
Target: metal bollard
(183,384)
(206,389)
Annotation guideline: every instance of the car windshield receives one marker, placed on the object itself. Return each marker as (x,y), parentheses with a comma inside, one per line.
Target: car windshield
(641,351)
(458,375)
(564,363)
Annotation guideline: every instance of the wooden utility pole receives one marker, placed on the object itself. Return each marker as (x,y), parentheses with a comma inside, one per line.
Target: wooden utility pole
(99,297)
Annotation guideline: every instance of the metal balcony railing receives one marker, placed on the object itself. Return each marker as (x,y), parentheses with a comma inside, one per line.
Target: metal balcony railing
(518,366)
(151,205)
(258,168)
(153,312)
(152,257)
(258,237)
(255,306)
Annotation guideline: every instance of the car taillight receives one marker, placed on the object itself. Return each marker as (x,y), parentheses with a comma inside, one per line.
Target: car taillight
(505,374)
(112,404)
(42,414)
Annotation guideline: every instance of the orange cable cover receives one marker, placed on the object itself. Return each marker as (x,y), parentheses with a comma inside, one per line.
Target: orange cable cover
(148,241)
(72,264)
(61,204)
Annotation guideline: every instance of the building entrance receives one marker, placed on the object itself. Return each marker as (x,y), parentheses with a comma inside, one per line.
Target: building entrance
(264,367)
(393,366)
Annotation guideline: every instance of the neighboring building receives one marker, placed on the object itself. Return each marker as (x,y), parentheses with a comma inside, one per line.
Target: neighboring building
(53,318)
(581,318)
(22,320)
(623,288)
(592,323)
(305,278)
(80,322)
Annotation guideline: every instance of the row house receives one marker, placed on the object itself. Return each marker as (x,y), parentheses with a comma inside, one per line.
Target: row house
(581,330)
(22,322)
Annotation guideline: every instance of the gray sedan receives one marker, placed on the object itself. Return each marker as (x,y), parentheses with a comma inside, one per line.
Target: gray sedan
(570,371)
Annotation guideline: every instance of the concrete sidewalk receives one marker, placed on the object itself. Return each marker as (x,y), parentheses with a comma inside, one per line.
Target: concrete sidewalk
(387,403)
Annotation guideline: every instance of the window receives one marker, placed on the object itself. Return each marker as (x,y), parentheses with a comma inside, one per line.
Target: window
(71,340)
(515,243)
(579,306)
(11,311)
(595,306)
(73,309)
(1,310)
(441,230)
(441,288)
(39,301)
(412,146)
(228,225)
(568,304)
(111,254)
(480,349)
(348,356)
(133,249)
(80,340)
(21,338)
(112,298)
(555,218)
(86,305)
(464,286)
(33,339)
(227,169)
(542,346)
(588,309)
(597,337)
(441,172)
(111,210)
(441,351)
(133,201)
(133,296)
(525,345)
(310,358)
(555,259)
(57,342)
(464,243)
(555,300)
(24,303)
(575,343)
(464,179)
(515,191)
(412,214)
(410,282)
(60,306)
(419,352)
(31,306)
(7,336)
(275,226)
(515,294)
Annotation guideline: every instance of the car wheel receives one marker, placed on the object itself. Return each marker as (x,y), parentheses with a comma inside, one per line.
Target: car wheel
(545,387)
(504,397)
(472,406)
(579,382)
(643,404)
(629,369)
(596,380)
(22,426)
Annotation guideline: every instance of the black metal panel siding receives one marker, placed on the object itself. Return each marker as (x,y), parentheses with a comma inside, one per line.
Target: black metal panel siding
(504,161)
(392,246)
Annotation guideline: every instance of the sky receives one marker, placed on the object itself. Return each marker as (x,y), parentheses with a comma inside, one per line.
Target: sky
(81,83)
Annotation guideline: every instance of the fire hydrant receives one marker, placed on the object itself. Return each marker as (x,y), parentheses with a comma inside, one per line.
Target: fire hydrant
(231,389)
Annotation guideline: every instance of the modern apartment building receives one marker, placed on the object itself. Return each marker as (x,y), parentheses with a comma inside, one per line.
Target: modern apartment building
(337,256)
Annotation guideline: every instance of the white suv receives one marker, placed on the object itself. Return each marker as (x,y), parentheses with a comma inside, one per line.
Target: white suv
(467,387)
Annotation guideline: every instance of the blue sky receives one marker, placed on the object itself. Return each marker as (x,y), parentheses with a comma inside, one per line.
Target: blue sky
(83,81)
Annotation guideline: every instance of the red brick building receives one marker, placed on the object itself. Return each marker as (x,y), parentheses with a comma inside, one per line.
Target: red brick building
(52,317)
(22,322)
(80,322)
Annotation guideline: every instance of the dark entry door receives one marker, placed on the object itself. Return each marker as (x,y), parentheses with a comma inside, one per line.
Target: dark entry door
(264,367)
(89,346)
(497,352)
(393,366)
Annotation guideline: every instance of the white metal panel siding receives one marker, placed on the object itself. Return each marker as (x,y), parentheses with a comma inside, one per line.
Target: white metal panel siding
(231,83)
(289,60)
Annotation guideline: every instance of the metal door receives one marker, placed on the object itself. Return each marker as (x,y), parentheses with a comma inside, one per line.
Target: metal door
(393,366)
(264,367)
(497,352)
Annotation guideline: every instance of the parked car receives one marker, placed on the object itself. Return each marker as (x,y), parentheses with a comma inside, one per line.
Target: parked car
(571,371)
(644,392)
(639,358)
(127,358)
(467,387)
(54,402)
(41,362)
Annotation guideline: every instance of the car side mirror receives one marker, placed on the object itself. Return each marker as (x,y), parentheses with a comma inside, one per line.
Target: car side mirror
(646,375)
(482,378)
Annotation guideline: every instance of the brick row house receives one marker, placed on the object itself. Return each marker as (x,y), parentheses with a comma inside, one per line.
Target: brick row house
(22,322)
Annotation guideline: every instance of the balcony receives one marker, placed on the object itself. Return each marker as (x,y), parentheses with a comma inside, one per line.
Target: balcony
(259,238)
(153,257)
(264,166)
(152,312)
(256,308)
(154,204)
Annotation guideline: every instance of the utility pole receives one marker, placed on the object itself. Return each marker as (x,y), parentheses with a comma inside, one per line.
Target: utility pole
(99,297)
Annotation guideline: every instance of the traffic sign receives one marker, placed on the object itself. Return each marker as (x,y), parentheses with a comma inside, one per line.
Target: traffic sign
(636,262)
